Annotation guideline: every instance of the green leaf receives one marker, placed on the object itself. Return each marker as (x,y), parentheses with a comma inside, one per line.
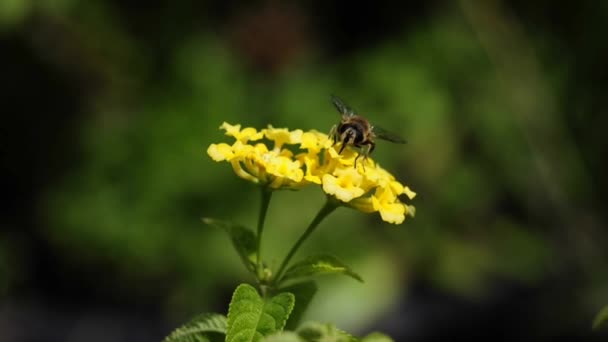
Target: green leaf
(601,318)
(319,265)
(243,240)
(285,336)
(250,318)
(376,337)
(198,329)
(304,292)
(313,331)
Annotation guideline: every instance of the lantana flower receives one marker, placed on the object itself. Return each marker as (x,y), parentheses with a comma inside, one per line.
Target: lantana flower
(294,159)
(275,167)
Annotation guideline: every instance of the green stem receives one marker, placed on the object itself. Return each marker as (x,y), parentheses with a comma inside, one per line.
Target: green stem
(265,201)
(328,208)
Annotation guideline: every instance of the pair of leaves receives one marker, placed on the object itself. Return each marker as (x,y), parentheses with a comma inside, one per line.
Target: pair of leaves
(250,318)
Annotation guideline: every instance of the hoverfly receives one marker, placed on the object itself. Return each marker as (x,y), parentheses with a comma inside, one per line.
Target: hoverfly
(356,131)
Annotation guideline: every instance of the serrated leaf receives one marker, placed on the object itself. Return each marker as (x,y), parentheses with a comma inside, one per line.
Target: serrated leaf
(251,318)
(377,337)
(304,292)
(243,240)
(314,332)
(198,329)
(285,336)
(317,265)
(601,318)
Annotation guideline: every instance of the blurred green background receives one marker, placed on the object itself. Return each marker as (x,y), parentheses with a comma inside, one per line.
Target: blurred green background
(108,108)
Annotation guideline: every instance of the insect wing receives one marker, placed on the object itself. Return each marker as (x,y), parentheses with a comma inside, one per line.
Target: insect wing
(342,107)
(383,134)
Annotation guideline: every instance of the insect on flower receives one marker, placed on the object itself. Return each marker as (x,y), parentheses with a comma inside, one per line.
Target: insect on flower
(356,131)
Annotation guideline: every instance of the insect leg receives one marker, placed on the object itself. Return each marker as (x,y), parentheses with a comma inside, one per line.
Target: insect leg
(332,134)
(346,139)
(344,142)
(365,152)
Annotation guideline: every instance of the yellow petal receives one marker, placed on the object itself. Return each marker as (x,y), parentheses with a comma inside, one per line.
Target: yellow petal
(394,214)
(220,152)
(260,148)
(409,193)
(314,141)
(389,212)
(249,134)
(285,168)
(396,187)
(311,162)
(231,130)
(282,136)
(310,141)
(241,150)
(245,135)
(295,137)
(341,187)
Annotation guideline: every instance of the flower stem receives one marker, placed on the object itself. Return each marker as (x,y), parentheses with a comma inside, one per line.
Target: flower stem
(328,208)
(265,201)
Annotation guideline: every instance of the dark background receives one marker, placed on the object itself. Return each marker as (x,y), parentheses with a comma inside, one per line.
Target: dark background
(108,108)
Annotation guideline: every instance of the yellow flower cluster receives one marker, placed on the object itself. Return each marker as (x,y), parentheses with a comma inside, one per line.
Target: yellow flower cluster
(298,158)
